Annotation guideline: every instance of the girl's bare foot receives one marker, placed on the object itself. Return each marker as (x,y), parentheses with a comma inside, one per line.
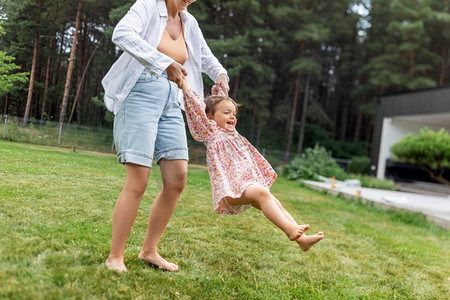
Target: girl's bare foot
(296,231)
(116,265)
(157,261)
(307,241)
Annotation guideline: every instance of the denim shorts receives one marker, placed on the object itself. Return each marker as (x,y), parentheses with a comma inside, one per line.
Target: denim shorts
(150,125)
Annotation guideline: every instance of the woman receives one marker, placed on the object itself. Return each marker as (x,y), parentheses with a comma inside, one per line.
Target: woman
(162,44)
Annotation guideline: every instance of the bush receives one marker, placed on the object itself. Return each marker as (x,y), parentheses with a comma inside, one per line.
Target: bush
(360,165)
(315,134)
(313,162)
(373,182)
(430,150)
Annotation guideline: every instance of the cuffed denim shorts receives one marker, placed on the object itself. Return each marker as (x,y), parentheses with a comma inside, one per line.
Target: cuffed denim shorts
(150,123)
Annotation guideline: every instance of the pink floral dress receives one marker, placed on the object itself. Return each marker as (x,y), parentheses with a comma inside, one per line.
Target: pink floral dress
(233,163)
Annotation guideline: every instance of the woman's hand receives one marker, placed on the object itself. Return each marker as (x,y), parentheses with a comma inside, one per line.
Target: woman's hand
(217,90)
(176,73)
(221,84)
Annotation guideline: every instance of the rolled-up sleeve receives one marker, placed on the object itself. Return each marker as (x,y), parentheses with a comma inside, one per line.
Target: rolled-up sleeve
(129,34)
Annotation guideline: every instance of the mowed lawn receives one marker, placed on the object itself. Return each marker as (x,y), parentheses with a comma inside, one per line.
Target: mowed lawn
(55,222)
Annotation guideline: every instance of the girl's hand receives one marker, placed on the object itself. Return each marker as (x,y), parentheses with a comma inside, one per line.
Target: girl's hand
(184,85)
(176,73)
(221,83)
(217,90)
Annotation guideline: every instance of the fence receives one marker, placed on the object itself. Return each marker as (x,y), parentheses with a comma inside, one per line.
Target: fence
(101,139)
(47,133)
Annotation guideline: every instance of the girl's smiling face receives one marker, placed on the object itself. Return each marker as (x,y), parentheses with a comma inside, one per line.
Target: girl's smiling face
(225,115)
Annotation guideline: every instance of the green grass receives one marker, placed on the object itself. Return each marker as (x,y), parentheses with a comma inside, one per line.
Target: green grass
(55,222)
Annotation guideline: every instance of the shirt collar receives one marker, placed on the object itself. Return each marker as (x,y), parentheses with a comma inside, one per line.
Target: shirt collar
(162,9)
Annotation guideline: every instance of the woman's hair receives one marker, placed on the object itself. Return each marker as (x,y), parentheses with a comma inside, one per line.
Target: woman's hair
(214,100)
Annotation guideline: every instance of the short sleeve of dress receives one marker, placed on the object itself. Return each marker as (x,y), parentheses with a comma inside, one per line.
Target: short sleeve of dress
(199,125)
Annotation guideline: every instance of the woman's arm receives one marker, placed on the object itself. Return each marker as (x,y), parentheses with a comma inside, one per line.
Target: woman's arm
(212,66)
(129,32)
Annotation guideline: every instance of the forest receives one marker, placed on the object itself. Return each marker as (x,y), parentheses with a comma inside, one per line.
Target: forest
(305,71)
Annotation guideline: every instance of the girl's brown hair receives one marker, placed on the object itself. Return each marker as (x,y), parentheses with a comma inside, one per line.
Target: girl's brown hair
(214,100)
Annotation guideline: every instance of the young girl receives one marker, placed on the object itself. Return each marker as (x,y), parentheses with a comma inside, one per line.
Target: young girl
(240,176)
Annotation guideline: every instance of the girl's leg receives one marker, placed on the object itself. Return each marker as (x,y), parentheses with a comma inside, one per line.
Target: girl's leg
(174,175)
(125,212)
(304,241)
(261,198)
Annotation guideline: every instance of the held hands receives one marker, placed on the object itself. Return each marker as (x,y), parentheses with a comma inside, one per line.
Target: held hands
(176,73)
(221,86)
(217,90)
(184,85)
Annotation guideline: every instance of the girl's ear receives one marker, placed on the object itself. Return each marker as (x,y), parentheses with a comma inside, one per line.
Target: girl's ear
(210,116)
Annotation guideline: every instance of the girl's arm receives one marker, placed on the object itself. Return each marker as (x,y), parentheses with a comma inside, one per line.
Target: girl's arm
(199,125)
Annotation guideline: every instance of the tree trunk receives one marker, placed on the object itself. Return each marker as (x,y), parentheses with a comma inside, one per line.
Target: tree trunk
(70,70)
(443,65)
(253,124)
(80,84)
(33,67)
(258,137)
(301,135)
(47,84)
(5,109)
(436,175)
(357,128)
(80,61)
(292,117)
(236,86)
(294,107)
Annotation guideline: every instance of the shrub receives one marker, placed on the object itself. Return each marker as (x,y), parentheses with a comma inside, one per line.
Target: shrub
(360,165)
(373,182)
(430,150)
(313,162)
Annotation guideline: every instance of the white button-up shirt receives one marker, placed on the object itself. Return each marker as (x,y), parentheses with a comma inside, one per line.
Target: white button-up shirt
(138,34)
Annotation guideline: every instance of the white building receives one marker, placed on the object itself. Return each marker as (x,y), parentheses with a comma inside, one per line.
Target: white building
(403,113)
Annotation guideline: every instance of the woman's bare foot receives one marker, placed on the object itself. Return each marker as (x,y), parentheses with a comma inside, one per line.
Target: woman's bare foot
(296,231)
(116,265)
(307,241)
(157,261)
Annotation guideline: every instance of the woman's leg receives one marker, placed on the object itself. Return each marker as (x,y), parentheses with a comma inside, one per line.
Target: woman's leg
(174,174)
(125,212)
(261,198)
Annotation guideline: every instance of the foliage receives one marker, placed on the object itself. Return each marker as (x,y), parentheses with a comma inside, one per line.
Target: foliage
(429,149)
(313,162)
(343,53)
(359,165)
(55,230)
(339,149)
(7,67)
(373,182)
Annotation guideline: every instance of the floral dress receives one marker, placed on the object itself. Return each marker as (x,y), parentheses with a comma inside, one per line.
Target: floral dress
(233,163)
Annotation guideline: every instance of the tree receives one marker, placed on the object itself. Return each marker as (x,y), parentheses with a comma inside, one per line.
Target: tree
(7,67)
(70,69)
(399,44)
(430,150)
(33,66)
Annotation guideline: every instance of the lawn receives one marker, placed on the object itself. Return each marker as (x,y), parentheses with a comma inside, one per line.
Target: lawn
(55,223)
